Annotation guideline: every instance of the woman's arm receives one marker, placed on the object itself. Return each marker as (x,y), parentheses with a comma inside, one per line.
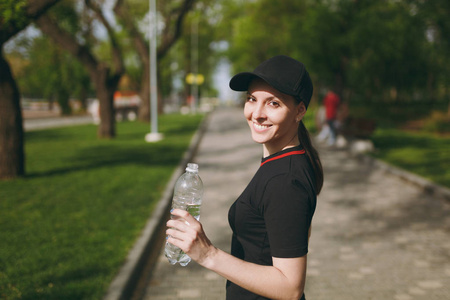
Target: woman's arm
(284,280)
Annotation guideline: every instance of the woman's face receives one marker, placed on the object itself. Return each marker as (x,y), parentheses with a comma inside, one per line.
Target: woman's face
(272,116)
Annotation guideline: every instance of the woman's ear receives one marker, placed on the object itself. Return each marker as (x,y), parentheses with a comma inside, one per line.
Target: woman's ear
(301,111)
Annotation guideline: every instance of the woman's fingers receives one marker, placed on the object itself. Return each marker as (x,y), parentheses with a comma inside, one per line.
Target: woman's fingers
(182,231)
(185,232)
(176,242)
(178,224)
(183,226)
(175,233)
(184,215)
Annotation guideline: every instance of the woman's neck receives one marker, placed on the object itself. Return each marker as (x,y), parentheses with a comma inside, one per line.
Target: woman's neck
(269,149)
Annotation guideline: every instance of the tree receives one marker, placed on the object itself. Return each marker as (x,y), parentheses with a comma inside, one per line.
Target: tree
(435,16)
(262,29)
(14,17)
(50,72)
(174,13)
(380,50)
(204,21)
(104,77)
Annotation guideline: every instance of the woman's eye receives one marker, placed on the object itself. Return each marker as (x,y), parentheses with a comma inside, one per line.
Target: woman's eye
(274,103)
(250,99)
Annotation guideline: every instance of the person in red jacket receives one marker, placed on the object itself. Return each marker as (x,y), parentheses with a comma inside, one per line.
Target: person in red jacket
(331,103)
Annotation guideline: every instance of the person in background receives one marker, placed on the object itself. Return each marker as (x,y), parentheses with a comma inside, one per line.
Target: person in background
(331,103)
(271,219)
(321,124)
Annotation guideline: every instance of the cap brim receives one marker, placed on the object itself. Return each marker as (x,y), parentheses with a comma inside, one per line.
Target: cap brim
(241,81)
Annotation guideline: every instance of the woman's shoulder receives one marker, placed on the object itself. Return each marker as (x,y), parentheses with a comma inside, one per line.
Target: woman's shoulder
(287,180)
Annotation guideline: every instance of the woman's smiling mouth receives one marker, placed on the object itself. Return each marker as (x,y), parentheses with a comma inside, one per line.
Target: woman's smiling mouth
(260,127)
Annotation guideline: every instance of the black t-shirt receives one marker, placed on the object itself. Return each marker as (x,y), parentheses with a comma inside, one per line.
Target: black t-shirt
(271,218)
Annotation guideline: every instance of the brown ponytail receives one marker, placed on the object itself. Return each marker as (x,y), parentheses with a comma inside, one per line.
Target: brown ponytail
(313,156)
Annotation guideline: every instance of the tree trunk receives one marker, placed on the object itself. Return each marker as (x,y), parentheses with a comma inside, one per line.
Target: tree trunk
(340,77)
(104,79)
(12,156)
(430,87)
(144,107)
(105,88)
(160,96)
(83,99)
(63,98)
(448,110)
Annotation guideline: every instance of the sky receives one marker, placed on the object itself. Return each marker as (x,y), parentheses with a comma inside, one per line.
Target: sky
(221,78)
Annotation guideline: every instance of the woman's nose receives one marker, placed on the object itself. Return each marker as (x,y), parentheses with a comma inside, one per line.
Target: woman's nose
(259,112)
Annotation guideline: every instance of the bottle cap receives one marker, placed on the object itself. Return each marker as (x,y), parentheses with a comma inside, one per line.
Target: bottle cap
(191,167)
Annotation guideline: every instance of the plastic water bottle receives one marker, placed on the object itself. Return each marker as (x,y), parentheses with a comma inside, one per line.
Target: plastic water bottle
(187,195)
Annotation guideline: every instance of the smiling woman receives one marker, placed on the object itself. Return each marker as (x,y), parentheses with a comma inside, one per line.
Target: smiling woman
(271,219)
(272,116)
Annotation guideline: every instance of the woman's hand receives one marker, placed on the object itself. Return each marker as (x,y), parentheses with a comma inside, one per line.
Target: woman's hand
(187,233)
(284,280)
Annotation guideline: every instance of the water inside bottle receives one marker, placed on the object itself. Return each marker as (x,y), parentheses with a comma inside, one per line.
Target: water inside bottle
(194,210)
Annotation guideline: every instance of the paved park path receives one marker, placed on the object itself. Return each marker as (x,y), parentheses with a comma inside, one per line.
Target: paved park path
(374,235)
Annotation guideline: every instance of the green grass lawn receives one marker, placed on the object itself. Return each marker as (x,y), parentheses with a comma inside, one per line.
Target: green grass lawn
(424,154)
(66,228)
(412,136)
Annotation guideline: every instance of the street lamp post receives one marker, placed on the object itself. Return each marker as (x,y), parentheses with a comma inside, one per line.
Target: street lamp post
(194,63)
(153,136)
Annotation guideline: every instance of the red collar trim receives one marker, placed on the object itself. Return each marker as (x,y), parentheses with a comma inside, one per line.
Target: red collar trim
(283,155)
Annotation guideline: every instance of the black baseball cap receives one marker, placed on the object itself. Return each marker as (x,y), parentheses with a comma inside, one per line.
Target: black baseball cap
(284,73)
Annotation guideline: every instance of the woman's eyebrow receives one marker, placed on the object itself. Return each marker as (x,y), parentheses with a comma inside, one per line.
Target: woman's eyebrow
(271,98)
(268,98)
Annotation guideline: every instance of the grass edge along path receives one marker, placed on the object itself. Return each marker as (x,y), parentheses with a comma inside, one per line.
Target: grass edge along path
(412,136)
(420,153)
(66,228)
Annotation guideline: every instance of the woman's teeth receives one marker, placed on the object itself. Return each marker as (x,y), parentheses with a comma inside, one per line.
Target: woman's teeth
(261,127)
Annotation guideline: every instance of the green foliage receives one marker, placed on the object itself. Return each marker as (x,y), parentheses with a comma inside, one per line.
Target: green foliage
(67,227)
(67,16)
(438,122)
(390,42)
(320,41)
(52,72)
(395,115)
(12,13)
(383,50)
(177,63)
(139,8)
(263,29)
(309,119)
